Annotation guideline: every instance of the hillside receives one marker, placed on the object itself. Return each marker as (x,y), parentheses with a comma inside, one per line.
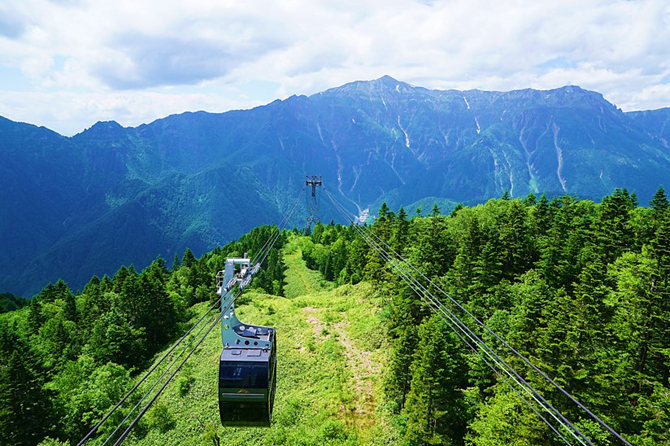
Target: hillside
(394,354)
(74,207)
(331,346)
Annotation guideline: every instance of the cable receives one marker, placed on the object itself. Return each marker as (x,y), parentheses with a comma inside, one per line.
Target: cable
(153,399)
(274,236)
(436,305)
(155,384)
(488,351)
(130,392)
(137,418)
(277,234)
(264,252)
(282,223)
(523,358)
(454,322)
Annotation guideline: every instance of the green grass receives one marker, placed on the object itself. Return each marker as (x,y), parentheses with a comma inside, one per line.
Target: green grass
(301,280)
(331,348)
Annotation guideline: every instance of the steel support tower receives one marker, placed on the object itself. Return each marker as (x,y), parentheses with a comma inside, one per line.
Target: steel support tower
(313,216)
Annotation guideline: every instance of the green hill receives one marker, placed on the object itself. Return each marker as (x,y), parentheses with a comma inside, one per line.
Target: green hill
(580,289)
(331,348)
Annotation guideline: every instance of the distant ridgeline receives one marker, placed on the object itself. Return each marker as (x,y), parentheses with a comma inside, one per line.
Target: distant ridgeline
(581,289)
(79,206)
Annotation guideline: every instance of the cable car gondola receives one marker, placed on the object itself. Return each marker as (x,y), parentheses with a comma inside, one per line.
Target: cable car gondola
(248,364)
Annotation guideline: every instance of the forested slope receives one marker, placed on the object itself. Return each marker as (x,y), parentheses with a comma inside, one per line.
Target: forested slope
(65,360)
(581,289)
(79,206)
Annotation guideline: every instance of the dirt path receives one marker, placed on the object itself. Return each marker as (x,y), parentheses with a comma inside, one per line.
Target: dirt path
(364,370)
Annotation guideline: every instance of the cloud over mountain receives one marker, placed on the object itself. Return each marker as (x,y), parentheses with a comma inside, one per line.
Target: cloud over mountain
(94,50)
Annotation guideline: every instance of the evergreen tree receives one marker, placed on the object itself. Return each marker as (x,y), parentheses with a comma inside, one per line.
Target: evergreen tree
(515,236)
(530,200)
(612,227)
(400,377)
(435,404)
(188,258)
(175,262)
(383,210)
(458,207)
(400,232)
(640,320)
(417,211)
(25,407)
(659,203)
(541,217)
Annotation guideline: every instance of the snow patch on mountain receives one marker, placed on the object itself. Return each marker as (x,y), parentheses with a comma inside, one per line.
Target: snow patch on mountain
(559,155)
(403,130)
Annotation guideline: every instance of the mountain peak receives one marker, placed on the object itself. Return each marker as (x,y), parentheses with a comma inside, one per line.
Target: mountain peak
(386,80)
(106,125)
(383,84)
(102,128)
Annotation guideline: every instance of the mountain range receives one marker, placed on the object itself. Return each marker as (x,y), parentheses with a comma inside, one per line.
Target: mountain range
(72,207)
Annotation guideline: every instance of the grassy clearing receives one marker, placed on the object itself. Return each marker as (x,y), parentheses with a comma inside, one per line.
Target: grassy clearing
(331,345)
(301,280)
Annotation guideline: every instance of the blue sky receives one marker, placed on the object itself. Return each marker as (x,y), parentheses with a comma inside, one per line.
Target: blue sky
(66,64)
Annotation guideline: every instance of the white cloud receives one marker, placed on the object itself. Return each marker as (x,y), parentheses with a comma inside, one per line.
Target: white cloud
(89,59)
(79,111)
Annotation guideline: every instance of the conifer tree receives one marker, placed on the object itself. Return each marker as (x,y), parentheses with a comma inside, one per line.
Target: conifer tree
(458,207)
(188,259)
(612,227)
(435,211)
(25,407)
(659,203)
(175,262)
(541,216)
(400,377)
(435,404)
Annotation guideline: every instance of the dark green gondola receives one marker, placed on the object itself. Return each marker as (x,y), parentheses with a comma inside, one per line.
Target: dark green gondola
(248,364)
(247,383)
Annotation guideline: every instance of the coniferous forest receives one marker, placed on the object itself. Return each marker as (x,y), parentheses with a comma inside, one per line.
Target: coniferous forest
(581,289)
(66,359)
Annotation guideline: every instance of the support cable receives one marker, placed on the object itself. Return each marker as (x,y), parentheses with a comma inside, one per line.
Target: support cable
(130,392)
(438,306)
(271,241)
(167,369)
(454,322)
(279,230)
(519,355)
(282,224)
(137,418)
